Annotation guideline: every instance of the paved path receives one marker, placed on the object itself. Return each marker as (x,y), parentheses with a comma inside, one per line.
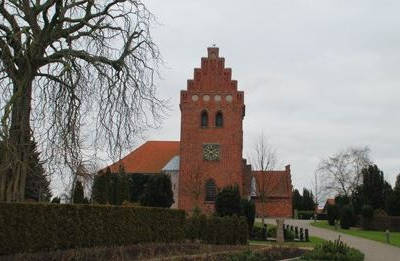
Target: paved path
(373,250)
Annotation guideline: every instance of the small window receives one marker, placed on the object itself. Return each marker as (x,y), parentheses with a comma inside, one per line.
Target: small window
(219,119)
(211,190)
(204,119)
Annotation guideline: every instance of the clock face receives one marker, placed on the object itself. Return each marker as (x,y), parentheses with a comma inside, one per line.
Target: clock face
(211,151)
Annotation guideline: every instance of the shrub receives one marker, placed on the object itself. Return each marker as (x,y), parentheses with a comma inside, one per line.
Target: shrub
(158,192)
(305,214)
(346,217)
(333,214)
(288,235)
(228,230)
(248,209)
(271,232)
(227,202)
(367,212)
(336,250)
(78,197)
(44,227)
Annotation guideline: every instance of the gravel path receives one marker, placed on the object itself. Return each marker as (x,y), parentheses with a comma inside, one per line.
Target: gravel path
(373,250)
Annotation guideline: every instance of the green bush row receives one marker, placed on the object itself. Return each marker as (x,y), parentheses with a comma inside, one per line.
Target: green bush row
(305,214)
(227,230)
(36,227)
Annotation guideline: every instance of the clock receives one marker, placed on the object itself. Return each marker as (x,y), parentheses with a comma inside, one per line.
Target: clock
(211,151)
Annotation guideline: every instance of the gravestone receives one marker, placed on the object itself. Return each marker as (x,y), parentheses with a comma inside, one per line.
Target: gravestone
(279,231)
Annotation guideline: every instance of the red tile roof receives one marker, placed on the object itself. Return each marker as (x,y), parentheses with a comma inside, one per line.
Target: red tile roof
(150,157)
(274,183)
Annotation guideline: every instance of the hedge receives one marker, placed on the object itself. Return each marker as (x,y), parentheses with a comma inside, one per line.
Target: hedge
(305,214)
(227,230)
(392,223)
(32,227)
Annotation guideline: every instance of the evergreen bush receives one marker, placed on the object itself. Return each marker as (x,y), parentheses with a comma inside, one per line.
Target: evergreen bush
(248,210)
(227,202)
(346,217)
(78,197)
(333,214)
(158,192)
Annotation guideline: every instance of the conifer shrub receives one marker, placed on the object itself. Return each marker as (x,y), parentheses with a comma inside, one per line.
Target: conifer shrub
(248,210)
(227,202)
(333,214)
(29,227)
(158,192)
(346,217)
(78,197)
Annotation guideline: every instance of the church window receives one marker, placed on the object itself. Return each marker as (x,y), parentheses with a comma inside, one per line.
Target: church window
(204,119)
(211,190)
(219,119)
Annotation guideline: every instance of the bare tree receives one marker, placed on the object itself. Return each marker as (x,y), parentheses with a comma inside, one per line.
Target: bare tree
(193,185)
(65,62)
(264,155)
(317,191)
(341,173)
(264,158)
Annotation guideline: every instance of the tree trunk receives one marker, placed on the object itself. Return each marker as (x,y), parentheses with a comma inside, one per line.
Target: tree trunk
(16,153)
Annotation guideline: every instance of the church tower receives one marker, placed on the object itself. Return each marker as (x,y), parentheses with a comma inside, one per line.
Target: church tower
(212,111)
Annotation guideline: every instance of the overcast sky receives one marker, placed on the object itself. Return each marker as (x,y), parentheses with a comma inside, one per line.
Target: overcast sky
(318,76)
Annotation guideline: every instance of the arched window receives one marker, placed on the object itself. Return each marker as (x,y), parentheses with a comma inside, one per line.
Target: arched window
(211,190)
(204,119)
(219,119)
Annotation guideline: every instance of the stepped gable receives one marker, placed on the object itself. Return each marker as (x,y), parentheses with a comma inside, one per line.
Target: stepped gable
(149,158)
(212,76)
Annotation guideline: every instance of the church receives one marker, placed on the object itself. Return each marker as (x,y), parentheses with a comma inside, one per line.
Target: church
(208,156)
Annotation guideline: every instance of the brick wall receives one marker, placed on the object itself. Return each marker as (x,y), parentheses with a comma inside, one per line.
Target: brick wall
(279,207)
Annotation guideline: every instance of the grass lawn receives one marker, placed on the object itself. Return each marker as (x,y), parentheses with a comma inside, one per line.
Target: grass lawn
(368,234)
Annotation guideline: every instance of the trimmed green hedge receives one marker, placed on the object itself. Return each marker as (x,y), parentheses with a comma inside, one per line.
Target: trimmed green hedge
(227,230)
(305,214)
(29,227)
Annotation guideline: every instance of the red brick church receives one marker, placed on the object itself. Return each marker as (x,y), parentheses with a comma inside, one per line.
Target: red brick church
(209,156)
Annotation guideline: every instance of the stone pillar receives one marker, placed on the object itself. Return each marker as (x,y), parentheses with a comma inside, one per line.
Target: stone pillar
(279,231)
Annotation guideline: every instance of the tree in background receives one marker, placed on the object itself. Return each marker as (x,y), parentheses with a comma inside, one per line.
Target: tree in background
(137,184)
(78,196)
(121,188)
(248,210)
(341,172)
(373,187)
(333,214)
(101,187)
(227,202)
(297,201)
(65,61)
(303,202)
(55,200)
(37,185)
(308,200)
(394,199)
(263,158)
(158,192)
